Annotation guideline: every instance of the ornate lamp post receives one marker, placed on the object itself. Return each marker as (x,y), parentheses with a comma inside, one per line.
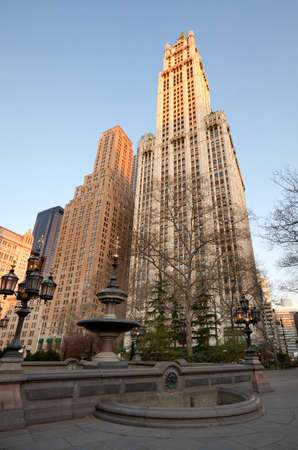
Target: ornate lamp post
(135,334)
(284,336)
(246,315)
(34,286)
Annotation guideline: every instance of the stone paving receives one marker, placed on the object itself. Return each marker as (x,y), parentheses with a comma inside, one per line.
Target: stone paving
(277,430)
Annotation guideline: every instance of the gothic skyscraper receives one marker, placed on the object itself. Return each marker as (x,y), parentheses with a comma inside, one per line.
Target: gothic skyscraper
(190,193)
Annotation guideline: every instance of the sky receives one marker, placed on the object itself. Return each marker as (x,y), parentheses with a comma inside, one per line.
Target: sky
(71,69)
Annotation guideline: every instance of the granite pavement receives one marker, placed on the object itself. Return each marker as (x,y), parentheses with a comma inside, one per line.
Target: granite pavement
(276,430)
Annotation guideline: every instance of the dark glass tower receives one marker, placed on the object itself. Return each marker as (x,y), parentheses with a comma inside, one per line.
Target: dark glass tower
(47,224)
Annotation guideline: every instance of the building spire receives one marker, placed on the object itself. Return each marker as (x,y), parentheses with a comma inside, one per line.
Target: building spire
(182,37)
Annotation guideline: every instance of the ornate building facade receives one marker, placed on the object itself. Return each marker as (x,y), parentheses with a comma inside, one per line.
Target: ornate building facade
(14,249)
(100,212)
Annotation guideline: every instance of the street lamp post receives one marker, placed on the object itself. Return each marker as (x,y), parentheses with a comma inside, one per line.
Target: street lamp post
(246,315)
(135,334)
(34,286)
(284,336)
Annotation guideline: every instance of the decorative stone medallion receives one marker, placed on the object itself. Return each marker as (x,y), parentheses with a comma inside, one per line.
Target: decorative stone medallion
(171,378)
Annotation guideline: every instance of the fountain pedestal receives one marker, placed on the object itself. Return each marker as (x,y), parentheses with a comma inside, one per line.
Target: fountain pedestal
(107,353)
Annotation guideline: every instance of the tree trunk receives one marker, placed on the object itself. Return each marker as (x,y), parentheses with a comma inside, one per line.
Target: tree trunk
(188,316)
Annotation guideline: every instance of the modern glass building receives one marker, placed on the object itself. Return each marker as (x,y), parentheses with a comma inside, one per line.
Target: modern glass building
(46,229)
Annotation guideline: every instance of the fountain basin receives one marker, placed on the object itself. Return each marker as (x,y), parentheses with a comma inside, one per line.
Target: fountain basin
(104,325)
(108,329)
(225,407)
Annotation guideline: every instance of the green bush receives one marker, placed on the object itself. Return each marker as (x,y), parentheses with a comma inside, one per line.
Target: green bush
(41,355)
(2,352)
(228,352)
(283,357)
(152,350)
(157,346)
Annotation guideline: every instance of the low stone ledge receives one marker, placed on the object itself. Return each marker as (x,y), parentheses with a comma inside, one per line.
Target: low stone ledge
(9,378)
(140,387)
(69,364)
(48,411)
(209,369)
(12,419)
(242,378)
(192,382)
(157,370)
(98,389)
(221,380)
(141,363)
(89,373)
(48,393)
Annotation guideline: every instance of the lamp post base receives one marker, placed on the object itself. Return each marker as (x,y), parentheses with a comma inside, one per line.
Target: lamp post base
(259,381)
(250,354)
(136,357)
(11,378)
(13,350)
(11,362)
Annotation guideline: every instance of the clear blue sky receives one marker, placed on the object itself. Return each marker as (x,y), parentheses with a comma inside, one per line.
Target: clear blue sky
(71,69)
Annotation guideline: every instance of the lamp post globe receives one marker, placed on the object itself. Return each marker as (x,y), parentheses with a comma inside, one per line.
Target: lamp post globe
(238,316)
(8,282)
(47,289)
(33,282)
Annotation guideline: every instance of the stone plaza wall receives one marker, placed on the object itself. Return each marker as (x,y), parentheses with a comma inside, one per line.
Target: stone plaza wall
(68,364)
(54,395)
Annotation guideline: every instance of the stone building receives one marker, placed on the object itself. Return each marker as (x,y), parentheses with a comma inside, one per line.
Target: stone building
(191,163)
(286,328)
(14,249)
(100,212)
(268,325)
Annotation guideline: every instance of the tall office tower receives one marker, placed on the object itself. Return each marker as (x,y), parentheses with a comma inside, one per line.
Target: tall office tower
(268,322)
(286,327)
(134,173)
(100,212)
(189,184)
(47,226)
(145,139)
(14,249)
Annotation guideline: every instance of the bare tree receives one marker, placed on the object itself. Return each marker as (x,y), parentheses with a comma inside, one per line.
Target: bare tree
(281,227)
(195,245)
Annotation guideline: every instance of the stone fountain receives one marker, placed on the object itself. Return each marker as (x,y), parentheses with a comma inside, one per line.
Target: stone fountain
(109,327)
